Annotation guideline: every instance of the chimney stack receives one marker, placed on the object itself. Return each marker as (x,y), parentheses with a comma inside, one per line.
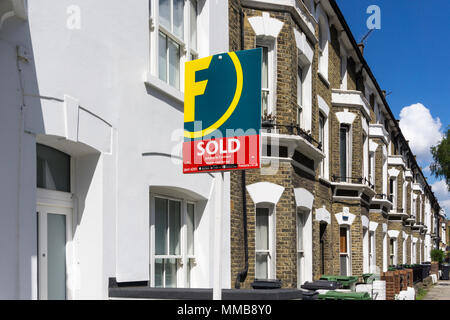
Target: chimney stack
(361,47)
(384,92)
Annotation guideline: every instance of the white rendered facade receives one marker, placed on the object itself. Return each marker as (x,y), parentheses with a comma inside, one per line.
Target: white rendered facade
(87,88)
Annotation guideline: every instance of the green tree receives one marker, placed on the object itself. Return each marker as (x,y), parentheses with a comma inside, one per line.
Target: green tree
(441,156)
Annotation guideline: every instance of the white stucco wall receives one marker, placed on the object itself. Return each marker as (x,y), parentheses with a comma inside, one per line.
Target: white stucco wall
(109,121)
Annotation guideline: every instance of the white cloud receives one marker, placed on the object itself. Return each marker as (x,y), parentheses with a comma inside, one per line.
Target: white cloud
(441,192)
(421,129)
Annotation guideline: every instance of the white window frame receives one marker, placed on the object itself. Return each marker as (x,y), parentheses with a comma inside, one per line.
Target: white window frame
(271,260)
(185,262)
(184,44)
(323,47)
(270,44)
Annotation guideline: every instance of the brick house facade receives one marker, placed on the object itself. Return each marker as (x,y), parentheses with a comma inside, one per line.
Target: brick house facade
(343,166)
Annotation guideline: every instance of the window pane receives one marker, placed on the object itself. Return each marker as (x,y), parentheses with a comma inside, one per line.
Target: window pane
(343,152)
(160,226)
(321,128)
(262,229)
(299,86)
(56,256)
(162,62)
(174,227)
(299,116)
(261,266)
(265,67)
(300,231)
(343,240)
(190,226)
(53,169)
(164,13)
(193,31)
(343,265)
(178,18)
(171,273)
(159,273)
(174,64)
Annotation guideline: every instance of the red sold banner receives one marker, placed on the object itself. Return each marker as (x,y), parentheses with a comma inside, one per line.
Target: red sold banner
(222,112)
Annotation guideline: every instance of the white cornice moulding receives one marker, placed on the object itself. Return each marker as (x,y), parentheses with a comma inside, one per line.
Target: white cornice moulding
(346,117)
(393,172)
(323,106)
(265,192)
(303,198)
(306,53)
(345,217)
(323,215)
(378,131)
(373,226)
(393,234)
(265,26)
(365,222)
(351,98)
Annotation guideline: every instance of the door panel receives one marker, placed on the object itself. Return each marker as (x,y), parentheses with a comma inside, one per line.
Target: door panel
(54,235)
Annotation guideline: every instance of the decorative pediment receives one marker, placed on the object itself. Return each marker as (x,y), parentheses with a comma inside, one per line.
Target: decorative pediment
(265,26)
(265,192)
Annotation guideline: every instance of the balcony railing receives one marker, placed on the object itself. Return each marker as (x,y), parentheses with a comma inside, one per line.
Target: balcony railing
(358,180)
(381,196)
(294,130)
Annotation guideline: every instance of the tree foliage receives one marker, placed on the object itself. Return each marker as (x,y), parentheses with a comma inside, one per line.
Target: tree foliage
(441,156)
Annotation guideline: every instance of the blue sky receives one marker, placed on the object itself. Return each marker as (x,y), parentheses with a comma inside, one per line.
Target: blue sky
(409,56)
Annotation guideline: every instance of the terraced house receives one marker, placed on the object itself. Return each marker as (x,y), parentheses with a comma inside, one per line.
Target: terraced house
(346,196)
(94,202)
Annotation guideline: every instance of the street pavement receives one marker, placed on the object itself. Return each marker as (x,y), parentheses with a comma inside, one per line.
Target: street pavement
(441,291)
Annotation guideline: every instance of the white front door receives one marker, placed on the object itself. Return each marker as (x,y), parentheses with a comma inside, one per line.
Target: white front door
(54,238)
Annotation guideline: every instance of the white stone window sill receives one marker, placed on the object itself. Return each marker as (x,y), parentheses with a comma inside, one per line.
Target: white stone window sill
(324,78)
(163,87)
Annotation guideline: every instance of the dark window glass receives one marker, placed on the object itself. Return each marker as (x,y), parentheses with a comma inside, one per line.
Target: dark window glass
(343,152)
(53,169)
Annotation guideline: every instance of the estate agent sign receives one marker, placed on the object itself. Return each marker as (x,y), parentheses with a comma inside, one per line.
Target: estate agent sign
(222,112)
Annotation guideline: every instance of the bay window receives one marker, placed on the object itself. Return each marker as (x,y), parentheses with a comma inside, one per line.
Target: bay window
(174,228)
(173,38)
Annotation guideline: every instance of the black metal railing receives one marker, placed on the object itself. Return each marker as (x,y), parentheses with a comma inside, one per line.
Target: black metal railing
(357,180)
(293,130)
(381,196)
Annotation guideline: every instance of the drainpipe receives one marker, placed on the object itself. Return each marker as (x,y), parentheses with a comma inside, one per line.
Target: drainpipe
(243,274)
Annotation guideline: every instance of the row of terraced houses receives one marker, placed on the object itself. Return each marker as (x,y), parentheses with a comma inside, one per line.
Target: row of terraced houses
(94,203)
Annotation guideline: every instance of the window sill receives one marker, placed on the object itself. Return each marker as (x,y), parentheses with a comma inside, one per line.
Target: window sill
(324,79)
(164,88)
